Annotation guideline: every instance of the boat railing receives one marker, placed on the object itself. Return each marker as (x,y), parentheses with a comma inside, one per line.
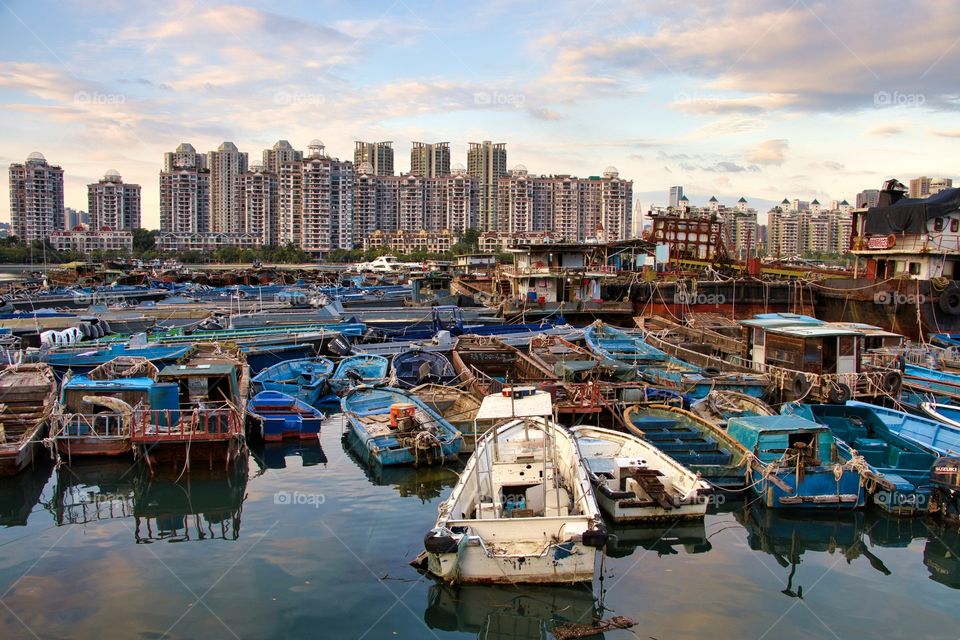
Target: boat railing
(67,426)
(221,422)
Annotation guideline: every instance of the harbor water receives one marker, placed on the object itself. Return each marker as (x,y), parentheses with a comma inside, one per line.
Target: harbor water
(307,542)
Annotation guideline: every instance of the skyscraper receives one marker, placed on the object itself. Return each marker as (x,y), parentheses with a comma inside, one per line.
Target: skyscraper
(378,154)
(430,160)
(113,204)
(487,161)
(257,196)
(281,152)
(676,193)
(316,202)
(225,164)
(36,198)
(868,198)
(184,192)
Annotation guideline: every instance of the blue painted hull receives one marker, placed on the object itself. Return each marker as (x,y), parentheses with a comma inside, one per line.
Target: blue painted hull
(83,361)
(305,379)
(282,416)
(263,357)
(818,489)
(930,385)
(938,436)
(406,368)
(372,370)
(384,447)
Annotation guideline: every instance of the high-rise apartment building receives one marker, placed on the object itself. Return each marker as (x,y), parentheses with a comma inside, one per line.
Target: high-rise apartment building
(225,165)
(113,204)
(676,194)
(281,152)
(184,192)
(316,202)
(868,198)
(430,160)
(378,154)
(36,198)
(487,161)
(257,197)
(924,186)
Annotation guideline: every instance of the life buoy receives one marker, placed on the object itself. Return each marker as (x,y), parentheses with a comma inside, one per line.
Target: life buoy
(950,299)
(839,393)
(801,386)
(891,382)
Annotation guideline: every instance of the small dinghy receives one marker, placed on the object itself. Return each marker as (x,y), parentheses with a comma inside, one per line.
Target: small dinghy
(719,406)
(416,366)
(356,370)
(636,482)
(27,396)
(396,427)
(282,416)
(458,407)
(304,378)
(523,510)
(567,361)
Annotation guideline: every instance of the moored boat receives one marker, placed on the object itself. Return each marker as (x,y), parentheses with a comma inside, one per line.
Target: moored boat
(27,395)
(416,366)
(485,365)
(457,407)
(357,370)
(282,416)
(523,510)
(566,360)
(395,427)
(701,446)
(796,464)
(634,481)
(719,406)
(304,378)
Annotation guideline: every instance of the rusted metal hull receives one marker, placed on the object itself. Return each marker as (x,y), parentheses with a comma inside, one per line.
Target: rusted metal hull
(92,447)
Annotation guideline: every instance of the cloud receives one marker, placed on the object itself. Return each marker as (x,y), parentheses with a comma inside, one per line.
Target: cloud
(886,130)
(948,134)
(770,152)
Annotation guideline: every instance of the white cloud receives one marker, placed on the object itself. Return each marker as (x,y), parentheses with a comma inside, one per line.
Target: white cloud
(769,152)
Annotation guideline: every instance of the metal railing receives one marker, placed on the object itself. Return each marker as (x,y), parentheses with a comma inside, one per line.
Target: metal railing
(190,423)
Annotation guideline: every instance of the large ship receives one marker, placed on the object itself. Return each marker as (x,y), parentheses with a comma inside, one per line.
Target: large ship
(908,262)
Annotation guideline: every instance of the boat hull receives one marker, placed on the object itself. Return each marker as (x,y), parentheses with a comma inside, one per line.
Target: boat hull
(569,562)
(16,458)
(819,489)
(73,447)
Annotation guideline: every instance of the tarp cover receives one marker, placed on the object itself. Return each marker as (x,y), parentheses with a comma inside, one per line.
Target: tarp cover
(910,215)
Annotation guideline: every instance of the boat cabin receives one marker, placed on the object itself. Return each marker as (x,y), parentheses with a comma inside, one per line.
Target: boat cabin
(552,273)
(204,386)
(770,437)
(802,343)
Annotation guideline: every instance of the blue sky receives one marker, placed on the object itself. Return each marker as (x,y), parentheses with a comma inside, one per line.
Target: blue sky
(766,99)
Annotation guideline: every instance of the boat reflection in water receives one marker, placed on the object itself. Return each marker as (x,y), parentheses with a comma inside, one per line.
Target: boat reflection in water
(19,494)
(509,611)
(671,538)
(273,455)
(196,508)
(426,483)
(942,554)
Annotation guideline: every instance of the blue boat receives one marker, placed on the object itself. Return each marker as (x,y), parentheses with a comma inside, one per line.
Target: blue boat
(356,370)
(262,356)
(902,483)
(942,437)
(282,416)
(416,366)
(304,378)
(395,427)
(796,463)
(634,359)
(83,360)
(921,384)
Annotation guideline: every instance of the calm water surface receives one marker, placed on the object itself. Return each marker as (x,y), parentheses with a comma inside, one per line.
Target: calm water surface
(308,543)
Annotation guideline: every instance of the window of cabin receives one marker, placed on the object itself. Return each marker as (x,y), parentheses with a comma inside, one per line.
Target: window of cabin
(954,225)
(846,345)
(938,224)
(758,334)
(914,268)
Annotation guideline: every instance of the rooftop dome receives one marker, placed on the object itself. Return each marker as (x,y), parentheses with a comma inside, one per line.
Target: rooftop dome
(366,168)
(282,144)
(227,146)
(610,172)
(36,155)
(185,147)
(519,169)
(112,175)
(315,143)
(256,168)
(458,169)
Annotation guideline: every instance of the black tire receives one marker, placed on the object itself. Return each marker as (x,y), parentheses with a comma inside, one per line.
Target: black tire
(434,543)
(801,386)
(950,299)
(839,394)
(596,537)
(891,382)
(711,372)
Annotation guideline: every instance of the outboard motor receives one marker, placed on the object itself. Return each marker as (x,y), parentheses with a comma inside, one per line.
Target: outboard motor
(339,346)
(945,497)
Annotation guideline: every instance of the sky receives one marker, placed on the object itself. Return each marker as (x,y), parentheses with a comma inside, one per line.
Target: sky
(757,98)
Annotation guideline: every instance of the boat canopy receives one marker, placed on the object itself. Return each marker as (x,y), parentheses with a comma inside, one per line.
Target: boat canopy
(181,370)
(910,215)
(499,407)
(770,436)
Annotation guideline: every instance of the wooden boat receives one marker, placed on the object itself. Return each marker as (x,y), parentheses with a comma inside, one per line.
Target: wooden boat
(945,413)
(356,370)
(641,361)
(636,482)
(83,359)
(395,427)
(282,416)
(457,407)
(566,360)
(305,378)
(95,411)
(485,365)
(416,366)
(199,413)
(942,437)
(719,406)
(27,395)
(263,356)
(900,478)
(523,510)
(701,446)
(796,464)
(926,384)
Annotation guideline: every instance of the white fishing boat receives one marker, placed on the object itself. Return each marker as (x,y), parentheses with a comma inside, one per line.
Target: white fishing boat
(523,510)
(635,482)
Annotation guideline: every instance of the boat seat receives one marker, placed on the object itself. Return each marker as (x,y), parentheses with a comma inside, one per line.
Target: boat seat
(652,422)
(545,501)
(910,460)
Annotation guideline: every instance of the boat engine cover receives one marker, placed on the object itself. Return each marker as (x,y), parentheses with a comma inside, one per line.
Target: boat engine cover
(946,472)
